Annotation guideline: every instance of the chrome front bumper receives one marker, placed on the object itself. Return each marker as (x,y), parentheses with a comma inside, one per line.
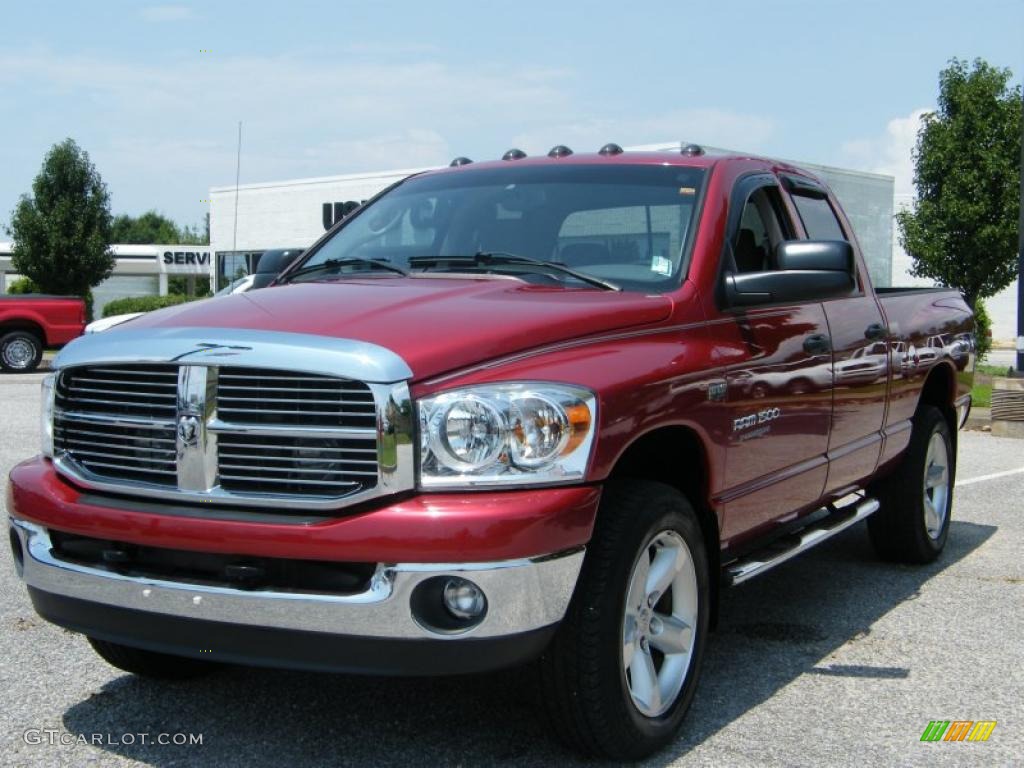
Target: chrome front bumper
(522,595)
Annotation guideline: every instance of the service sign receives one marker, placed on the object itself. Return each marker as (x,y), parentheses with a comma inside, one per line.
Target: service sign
(185,259)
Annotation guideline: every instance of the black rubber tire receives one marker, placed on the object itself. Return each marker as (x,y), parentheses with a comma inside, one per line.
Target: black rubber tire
(159,666)
(897,530)
(26,336)
(582,682)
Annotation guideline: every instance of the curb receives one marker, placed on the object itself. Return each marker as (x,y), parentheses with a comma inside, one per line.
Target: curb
(979,420)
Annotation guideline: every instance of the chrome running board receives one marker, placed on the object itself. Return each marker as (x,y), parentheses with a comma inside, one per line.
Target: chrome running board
(778,552)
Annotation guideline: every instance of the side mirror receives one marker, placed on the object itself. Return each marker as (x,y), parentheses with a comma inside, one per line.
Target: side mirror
(827,255)
(806,270)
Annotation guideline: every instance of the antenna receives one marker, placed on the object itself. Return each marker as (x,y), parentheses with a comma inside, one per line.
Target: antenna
(238,173)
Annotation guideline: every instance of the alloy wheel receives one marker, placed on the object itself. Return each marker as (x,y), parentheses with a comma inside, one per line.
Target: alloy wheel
(936,486)
(659,623)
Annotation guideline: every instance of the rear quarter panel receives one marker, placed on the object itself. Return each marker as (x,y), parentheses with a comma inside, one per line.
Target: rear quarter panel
(929,328)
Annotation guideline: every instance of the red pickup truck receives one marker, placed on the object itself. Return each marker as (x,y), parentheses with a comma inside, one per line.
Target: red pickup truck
(30,323)
(535,410)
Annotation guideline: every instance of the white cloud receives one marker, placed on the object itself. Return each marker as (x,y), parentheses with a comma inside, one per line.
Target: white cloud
(890,152)
(412,148)
(390,48)
(163,132)
(160,13)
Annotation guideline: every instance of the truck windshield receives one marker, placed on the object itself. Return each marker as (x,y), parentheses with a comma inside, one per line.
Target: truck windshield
(624,224)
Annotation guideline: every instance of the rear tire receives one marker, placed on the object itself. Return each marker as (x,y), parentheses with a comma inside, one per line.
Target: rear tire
(912,524)
(159,666)
(622,669)
(20,351)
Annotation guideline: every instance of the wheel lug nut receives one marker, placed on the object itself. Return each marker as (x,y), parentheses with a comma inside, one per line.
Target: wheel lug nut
(644,646)
(652,599)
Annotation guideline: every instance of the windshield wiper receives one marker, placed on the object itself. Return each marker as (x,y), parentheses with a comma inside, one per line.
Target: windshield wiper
(489,258)
(331,264)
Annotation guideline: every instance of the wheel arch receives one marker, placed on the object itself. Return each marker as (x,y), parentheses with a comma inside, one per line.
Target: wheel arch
(658,455)
(939,391)
(24,324)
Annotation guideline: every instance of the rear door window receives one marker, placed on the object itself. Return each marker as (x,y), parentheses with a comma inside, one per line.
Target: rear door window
(819,219)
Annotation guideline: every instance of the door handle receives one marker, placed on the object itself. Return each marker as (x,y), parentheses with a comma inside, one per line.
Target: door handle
(875,331)
(817,344)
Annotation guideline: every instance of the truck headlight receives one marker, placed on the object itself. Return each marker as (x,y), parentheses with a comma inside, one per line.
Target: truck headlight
(46,417)
(506,434)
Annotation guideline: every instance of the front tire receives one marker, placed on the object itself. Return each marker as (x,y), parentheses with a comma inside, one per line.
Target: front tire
(20,351)
(620,674)
(917,498)
(159,666)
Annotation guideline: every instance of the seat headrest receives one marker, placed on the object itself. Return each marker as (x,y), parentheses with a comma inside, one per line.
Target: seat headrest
(746,241)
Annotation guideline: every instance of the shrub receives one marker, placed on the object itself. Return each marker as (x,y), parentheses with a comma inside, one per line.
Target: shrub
(23,285)
(179,284)
(142,304)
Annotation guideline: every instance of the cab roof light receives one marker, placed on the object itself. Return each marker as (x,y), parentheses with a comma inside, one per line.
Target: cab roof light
(611,148)
(692,150)
(559,150)
(514,154)
(459,161)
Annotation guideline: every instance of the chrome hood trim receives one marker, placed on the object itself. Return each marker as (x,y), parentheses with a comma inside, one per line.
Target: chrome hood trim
(343,358)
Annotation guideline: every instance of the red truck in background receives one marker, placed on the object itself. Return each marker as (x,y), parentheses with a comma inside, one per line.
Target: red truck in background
(31,323)
(536,410)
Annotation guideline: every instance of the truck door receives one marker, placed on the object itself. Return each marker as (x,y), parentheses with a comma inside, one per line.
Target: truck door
(860,353)
(778,379)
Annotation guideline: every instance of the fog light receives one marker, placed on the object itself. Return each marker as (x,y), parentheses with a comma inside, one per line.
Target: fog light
(448,605)
(464,599)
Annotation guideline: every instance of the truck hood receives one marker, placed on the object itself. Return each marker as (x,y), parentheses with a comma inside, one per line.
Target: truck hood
(437,324)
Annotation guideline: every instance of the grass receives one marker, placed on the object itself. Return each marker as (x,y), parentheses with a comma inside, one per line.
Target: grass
(990,370)
(981,394)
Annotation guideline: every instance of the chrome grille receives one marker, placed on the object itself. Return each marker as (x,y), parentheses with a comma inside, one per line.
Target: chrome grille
(150,391)
(259,396)
(119,422)
(227,434)
(282,465)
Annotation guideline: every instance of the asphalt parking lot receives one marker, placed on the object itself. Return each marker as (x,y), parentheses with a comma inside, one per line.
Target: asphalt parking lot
(832,659)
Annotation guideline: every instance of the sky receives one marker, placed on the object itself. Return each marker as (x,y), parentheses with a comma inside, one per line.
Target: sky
(154,92)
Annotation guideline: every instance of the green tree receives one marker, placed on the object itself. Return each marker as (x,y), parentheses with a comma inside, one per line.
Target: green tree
(195,236)
(62,230)
(962,231)
(151,227)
